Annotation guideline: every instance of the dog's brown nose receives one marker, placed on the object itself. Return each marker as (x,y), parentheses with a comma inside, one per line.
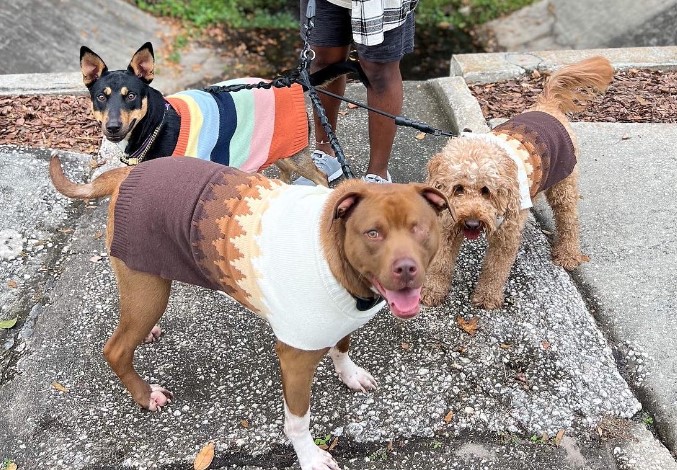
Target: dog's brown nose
(405,269)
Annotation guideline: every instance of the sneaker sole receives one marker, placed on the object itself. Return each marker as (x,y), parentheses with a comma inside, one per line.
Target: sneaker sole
(334,176)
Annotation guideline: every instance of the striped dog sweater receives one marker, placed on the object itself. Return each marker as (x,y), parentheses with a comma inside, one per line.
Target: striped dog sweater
(247,129)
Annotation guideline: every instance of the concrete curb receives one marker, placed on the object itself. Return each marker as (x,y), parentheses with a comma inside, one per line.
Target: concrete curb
(42,84)
(502,66)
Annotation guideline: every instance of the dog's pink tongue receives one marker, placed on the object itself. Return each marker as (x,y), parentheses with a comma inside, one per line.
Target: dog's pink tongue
(404,303)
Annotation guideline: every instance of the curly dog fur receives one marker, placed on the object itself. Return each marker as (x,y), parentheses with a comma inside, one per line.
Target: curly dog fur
(481,181)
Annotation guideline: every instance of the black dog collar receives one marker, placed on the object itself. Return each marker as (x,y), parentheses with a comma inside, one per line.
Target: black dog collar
(366,304)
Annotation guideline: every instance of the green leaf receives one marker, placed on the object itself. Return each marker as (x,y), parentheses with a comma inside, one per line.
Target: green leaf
(7,324)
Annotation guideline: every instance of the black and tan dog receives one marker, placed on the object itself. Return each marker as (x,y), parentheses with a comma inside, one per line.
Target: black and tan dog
(248,129)
(316,263)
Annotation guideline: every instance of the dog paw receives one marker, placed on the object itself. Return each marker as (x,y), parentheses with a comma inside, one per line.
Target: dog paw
(358,379)
(159,397)
(433,297)
(487,300)
(154,335)
(317,459)
(355,377)
(567,260)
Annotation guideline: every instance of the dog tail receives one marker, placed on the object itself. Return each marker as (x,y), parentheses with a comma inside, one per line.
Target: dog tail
(102,186)
(572,86)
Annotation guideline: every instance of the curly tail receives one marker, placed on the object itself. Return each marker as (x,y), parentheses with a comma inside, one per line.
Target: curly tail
(572,86)
(102,186)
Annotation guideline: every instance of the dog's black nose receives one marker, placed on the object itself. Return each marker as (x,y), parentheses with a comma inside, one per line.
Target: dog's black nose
(472,224)
(405,269)
(113,127)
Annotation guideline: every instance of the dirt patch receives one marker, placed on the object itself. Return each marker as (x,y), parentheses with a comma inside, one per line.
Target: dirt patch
(66,122)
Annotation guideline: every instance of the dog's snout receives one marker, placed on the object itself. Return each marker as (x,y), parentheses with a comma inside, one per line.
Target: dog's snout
(113,127)
(405,269)
(472,224)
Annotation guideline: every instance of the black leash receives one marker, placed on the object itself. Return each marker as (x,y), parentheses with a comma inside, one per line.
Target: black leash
(399,120)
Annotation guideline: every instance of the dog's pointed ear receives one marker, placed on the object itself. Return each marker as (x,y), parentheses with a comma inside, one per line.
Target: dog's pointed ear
(346,204)
(143,63)
(91,65)
(436,199)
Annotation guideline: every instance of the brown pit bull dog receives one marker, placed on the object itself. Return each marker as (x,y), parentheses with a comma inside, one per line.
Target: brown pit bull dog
(316,263)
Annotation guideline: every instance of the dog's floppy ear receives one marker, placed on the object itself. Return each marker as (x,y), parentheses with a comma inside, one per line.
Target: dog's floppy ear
(346,204)
(434,164)
(143,63)
(91,65)
(436,199)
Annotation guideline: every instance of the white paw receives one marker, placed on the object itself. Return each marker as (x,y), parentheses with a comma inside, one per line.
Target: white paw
(317,459)
(358,379)
(355,377)
(154,335)
(159,397)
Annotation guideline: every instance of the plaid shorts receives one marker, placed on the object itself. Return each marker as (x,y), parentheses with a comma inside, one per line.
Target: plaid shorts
(332,28)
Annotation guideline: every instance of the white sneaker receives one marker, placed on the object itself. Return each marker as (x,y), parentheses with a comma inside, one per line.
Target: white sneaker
(371,178)
(327,164)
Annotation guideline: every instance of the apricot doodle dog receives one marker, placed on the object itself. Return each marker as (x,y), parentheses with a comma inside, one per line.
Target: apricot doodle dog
(491,179)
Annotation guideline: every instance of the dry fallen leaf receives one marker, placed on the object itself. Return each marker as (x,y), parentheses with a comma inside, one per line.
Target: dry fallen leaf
(59,388)
(352,106)
(334,443)
(244,423)
(559,437)
(12,284)
(545,344)
(505,345)
(204,458)
(11,466)
(470,326)
(449,417)
(420,136)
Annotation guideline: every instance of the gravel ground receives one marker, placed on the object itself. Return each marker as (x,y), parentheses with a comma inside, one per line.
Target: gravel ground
(66,122)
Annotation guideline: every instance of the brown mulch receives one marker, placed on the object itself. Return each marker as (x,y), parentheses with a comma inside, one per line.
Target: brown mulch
(66,122)
(54,121)
(633,96)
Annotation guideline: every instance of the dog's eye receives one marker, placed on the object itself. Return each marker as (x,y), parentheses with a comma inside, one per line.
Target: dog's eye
(101,98)
(485,191)
(458,190)
(131,96)
(373,234)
